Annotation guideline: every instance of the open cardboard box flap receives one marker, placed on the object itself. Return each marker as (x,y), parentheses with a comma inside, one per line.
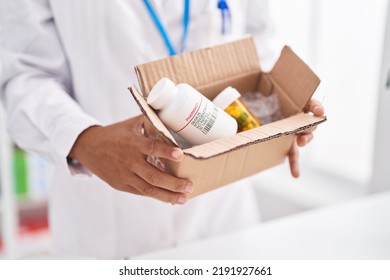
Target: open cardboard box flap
(210,70)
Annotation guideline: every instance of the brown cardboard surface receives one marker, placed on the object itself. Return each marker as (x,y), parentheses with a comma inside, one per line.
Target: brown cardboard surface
(210,70)
(225,168)
(295,79)
(204,68)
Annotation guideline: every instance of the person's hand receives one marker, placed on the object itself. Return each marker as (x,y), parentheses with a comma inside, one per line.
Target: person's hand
(117,154)
(304,137)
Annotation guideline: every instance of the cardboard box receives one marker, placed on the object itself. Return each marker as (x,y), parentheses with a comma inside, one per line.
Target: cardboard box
(210,70)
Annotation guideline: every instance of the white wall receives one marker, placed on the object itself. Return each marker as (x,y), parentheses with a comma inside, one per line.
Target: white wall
(343,42)
(350,46)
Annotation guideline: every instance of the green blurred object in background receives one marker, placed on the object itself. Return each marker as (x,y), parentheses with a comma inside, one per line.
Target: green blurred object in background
(20,172)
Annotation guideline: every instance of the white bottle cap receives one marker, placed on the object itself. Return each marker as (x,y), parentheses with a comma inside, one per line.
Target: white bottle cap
(163,91)
(226,97)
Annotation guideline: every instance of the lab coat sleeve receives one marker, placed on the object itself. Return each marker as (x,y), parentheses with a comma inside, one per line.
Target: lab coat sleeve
(35,81)
(260,25)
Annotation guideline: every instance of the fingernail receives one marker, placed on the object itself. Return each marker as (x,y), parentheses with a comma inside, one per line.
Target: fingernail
(182,200)
(296,173)
(176,154)
(317,108)
(189,188)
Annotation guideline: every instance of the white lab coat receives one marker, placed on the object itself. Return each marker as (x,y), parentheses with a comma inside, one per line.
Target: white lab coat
(66,65)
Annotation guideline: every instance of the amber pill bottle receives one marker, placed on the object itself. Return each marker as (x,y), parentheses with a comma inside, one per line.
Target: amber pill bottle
(230,101)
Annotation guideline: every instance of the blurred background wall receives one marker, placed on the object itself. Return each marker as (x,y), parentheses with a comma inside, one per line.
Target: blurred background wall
(343,42)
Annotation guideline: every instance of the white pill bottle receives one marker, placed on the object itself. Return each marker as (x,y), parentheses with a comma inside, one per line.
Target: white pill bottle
(190,114)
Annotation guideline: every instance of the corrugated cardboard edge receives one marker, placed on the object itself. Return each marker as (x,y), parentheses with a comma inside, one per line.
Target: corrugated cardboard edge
(148,112)
(314,122)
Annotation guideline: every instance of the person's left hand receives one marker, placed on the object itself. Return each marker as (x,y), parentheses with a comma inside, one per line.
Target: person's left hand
(304,137)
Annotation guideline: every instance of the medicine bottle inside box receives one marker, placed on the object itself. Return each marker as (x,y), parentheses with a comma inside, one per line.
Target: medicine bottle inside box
(193,119)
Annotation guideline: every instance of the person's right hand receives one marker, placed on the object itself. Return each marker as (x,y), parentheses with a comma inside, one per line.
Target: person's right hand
(117,154)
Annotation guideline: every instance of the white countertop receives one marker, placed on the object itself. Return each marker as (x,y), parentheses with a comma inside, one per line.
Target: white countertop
(357,229)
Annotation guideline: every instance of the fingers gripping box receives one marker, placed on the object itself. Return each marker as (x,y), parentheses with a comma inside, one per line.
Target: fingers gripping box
(211,70)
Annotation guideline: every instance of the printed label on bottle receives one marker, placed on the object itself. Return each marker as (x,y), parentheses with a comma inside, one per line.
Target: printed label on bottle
(192,114)
(202,116)
(205,118)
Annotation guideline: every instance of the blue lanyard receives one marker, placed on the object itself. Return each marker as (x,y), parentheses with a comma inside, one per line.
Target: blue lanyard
(226,16)
(163,32)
